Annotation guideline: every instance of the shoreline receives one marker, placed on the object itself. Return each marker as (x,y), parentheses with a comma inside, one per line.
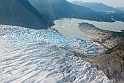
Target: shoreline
(111,62)
(106,38)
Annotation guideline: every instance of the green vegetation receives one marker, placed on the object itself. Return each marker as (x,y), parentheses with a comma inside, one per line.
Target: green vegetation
(22,13)
(62,9)
(45,17)
(119,34)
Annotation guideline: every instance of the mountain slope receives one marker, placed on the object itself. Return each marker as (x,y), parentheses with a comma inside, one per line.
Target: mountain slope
(22,13)
(121,8)
(58,8)
(63,9)
(97,6)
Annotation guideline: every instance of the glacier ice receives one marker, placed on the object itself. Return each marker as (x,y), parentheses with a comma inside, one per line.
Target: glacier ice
(53,38)
(36,56)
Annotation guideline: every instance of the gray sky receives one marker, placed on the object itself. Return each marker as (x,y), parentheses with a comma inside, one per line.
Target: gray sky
(114,3)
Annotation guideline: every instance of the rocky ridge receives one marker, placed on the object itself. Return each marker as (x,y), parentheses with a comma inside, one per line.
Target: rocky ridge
(107,39)
(111,62)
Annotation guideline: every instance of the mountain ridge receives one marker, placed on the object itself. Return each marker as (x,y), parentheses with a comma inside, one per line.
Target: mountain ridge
(65,9)
(97,6)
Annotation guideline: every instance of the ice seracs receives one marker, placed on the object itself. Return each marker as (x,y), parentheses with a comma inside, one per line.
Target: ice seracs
(35,56)
(83,46)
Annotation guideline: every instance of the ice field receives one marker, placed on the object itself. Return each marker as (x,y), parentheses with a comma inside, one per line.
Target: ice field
(37,56)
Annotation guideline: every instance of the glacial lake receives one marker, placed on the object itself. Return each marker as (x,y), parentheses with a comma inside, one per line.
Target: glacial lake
(69,27)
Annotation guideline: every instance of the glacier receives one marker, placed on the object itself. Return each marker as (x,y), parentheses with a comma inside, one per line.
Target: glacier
(37,56)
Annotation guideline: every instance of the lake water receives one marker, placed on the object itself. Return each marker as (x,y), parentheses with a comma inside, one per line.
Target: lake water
(69,27)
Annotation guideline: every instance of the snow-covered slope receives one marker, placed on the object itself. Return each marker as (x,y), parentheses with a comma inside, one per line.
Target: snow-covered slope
(35,56)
